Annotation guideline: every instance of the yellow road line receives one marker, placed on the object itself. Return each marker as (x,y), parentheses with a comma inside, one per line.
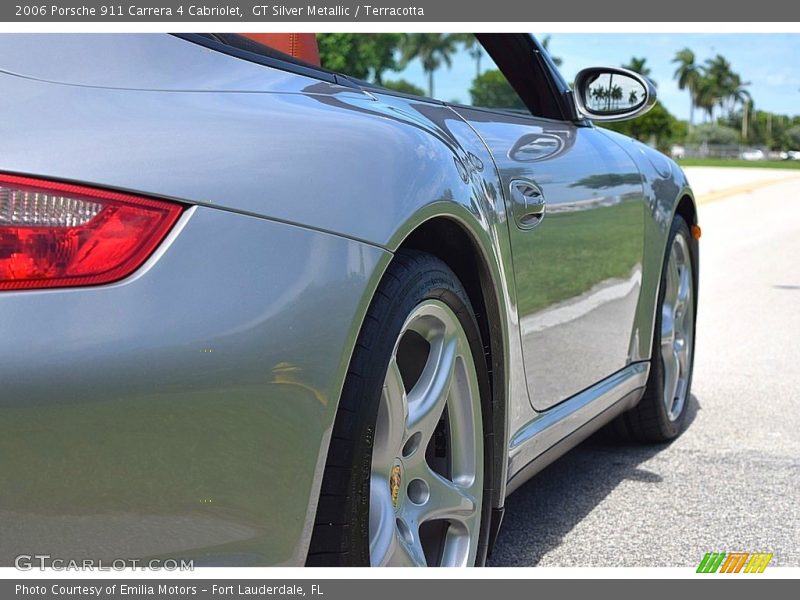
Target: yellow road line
(744,188)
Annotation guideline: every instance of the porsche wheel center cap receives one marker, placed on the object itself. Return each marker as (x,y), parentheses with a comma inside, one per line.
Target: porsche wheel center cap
(395,479)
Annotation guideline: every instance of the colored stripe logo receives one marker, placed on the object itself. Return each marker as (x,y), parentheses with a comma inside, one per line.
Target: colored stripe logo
(734,562)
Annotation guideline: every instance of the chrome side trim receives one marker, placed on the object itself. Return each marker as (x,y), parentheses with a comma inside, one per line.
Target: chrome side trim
(551,427)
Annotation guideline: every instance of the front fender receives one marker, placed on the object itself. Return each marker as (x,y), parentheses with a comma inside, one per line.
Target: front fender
(664,186)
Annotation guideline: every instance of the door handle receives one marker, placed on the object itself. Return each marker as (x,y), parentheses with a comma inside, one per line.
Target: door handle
(528,203)
(536,147)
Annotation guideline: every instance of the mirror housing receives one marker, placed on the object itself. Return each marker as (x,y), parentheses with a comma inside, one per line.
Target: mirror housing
(613,94)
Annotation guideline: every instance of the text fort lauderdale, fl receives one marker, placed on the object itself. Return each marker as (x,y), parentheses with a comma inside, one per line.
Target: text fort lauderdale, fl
(144,589)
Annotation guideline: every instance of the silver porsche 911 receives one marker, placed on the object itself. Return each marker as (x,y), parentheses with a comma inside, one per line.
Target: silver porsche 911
(256,311)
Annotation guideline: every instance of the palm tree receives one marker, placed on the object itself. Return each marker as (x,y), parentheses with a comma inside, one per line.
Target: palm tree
(721,79)
(747,112)
(739,95)
(706,94)
(600,94)
(688,75)
(616,95)
(738,91)
(546,45)
(712,85)
(474,49)
(432,49)
(381,52)
(638,65)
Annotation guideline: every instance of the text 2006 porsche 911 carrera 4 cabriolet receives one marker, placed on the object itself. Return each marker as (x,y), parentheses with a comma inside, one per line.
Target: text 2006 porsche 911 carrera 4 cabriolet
(256,311)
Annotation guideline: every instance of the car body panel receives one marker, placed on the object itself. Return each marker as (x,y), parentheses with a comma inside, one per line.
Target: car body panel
(238,152)
(482,214)
(198,144)
(553,432)
(665,186)
(168,395)
(578,271)
(137,61)
(145,417)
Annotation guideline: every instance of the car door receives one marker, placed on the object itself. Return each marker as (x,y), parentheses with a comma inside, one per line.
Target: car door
(575,207)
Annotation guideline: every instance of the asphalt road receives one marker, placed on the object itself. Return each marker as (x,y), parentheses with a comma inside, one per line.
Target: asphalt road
(732,480)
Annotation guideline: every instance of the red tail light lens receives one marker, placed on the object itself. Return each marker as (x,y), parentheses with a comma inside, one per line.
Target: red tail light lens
(58,235)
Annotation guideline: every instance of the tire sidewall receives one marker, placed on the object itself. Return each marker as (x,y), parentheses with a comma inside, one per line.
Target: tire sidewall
(431,280)
(669,428)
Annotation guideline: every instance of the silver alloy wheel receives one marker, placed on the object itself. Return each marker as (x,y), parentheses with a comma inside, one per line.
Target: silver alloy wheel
(677,326)
(426,484)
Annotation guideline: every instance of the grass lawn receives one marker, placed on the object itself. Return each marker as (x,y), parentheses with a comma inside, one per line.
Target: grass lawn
(729,162)
(572,252)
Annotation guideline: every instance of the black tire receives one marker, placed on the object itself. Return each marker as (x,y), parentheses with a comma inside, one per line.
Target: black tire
(648,421)
(341,528)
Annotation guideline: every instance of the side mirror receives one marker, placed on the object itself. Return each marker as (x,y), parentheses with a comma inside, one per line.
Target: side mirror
(613,94)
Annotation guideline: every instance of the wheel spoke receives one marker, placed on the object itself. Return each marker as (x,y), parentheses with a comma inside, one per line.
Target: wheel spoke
(392,415)
(381,519)
(684,288)
(463,423)
(427,399)
(673,280)
(405,553)
(667,325)
(447,500)
(681,356)
(405,491)
(684,308)
(677,326)
(671,376)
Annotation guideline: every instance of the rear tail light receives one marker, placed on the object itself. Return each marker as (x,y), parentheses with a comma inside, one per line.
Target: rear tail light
(58,234)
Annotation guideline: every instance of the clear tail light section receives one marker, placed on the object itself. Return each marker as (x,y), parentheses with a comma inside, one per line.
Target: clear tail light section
(61,235)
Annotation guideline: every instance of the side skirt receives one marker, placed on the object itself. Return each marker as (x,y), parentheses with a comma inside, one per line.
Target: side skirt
(553,432)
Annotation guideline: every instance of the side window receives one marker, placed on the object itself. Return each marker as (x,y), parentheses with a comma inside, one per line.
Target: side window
(451,67)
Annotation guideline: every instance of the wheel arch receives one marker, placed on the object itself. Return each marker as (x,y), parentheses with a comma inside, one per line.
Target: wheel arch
(687,209)
(450,240)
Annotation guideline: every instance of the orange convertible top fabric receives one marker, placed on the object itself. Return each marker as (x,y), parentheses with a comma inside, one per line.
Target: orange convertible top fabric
(300,45)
